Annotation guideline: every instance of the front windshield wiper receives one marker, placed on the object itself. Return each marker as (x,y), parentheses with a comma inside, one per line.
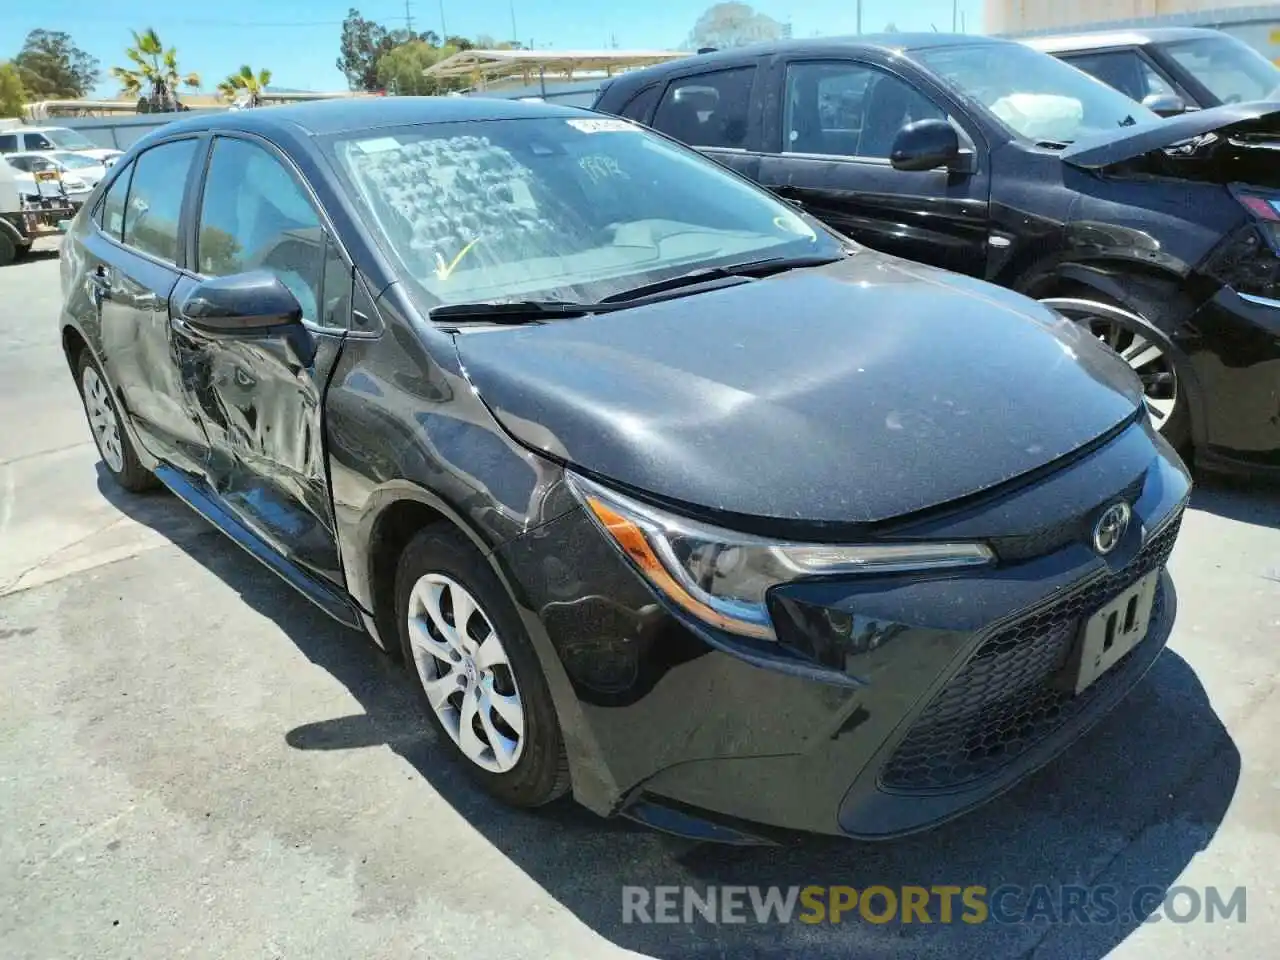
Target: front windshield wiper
(750,270)
(511,312)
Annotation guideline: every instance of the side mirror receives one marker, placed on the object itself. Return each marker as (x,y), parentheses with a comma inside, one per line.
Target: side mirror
(244,304)
(925,145)
(1164,104)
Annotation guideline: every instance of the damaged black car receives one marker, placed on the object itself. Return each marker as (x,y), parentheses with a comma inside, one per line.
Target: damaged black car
(988,158)
(664,493)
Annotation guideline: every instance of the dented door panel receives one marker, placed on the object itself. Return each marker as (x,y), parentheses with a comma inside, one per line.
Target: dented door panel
(261,402)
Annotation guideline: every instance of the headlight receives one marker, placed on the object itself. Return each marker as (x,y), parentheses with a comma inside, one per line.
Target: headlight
(721,577)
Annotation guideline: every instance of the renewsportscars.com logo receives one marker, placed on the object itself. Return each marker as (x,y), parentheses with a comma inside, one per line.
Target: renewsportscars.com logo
(943,904)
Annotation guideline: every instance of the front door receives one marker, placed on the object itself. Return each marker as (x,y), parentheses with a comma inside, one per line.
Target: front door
(261,400)
(134,250)
(828,138)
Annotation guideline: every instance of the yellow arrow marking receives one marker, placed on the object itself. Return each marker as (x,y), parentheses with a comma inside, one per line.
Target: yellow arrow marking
(444,270)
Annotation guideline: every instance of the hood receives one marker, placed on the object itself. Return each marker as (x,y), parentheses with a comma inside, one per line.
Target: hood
(853,393)
(1126,143)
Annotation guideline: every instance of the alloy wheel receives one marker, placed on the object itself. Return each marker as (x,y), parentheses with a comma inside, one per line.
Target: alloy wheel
(102,419)
(466,673)
(1122,331)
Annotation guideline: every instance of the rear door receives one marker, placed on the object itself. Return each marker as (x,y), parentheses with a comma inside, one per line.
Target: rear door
(718,112)
(132,269)
(828,136)
(260,399)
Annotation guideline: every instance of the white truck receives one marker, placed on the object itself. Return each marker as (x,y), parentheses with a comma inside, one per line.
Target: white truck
(26,216)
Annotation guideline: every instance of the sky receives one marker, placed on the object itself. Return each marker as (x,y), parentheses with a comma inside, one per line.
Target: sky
(298,39)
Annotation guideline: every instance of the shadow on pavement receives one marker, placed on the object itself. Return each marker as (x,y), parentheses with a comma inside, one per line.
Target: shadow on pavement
(1235,499)
(1128,806)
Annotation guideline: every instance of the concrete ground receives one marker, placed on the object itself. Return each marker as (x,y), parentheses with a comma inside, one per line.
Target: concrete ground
(195,762)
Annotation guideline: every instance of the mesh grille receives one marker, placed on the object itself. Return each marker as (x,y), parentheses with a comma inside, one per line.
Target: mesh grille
(1002,703)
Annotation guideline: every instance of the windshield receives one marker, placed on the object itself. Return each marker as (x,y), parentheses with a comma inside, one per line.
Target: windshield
(565,208)
(1228,68)
(1033,94)
(74,161)
(65,139)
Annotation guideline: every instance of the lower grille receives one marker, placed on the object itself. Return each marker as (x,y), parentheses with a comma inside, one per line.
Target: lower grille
(1002,702)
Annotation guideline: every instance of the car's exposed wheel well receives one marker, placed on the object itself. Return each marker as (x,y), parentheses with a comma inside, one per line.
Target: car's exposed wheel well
(73,345)
(394,528)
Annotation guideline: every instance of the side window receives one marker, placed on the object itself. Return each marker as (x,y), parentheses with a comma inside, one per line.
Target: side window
(1125,70)
(709,110)
(255,216)
(38,141)
(640,107)
(111,211)
(153,211)
(849,109)
(8,142)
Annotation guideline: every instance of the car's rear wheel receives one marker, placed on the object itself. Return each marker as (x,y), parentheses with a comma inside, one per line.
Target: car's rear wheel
(1144,348)
(113,443)
(477,672)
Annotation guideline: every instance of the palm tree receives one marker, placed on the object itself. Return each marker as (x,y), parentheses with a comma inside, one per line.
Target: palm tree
(245,84)
(153,77)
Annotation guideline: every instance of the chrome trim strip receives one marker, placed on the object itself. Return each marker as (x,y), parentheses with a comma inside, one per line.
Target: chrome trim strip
(1259,301)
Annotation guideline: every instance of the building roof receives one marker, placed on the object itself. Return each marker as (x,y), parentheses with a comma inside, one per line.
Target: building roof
(497,64)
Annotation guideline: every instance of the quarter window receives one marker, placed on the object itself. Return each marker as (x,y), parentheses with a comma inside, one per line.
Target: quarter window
(640,107)
(154,209)
(849,109)
(255,216)
(111,213)
(8,143)
(709,110)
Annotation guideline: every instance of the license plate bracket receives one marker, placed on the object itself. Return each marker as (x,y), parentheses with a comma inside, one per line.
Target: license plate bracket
(1112,632)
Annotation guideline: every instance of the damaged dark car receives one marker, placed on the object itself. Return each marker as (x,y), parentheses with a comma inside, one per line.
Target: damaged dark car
(664,493)
(988,158)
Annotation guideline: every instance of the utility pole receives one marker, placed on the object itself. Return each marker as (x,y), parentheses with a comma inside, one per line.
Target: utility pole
(444,31)
(408,17)
(515,34)
(859,8)
(955,15)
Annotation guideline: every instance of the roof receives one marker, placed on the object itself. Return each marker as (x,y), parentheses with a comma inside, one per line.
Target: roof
(832,46)
(1133,37)
(492,64)
(322,117)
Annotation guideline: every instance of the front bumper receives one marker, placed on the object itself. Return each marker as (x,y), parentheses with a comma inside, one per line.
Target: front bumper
(889,703)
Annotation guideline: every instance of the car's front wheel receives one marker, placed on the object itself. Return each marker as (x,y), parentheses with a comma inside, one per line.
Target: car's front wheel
(1144,348)
(113,443)
(477,672)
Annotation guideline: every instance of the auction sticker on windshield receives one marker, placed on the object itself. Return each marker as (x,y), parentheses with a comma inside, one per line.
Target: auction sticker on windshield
(603,125)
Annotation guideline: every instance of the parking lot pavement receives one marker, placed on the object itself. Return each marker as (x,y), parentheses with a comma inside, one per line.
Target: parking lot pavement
(195,762)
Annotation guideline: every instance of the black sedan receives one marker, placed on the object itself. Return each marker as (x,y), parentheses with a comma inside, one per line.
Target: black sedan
(667,495)
(983,156)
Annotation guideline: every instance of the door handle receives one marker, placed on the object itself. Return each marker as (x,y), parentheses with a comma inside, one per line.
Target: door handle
(100,283)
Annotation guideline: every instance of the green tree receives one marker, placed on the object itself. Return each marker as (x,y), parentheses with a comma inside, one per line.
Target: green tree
(12,95)
(154,75)
(245,83)
(400,70)
(365,42)
(732,24)
(53,68)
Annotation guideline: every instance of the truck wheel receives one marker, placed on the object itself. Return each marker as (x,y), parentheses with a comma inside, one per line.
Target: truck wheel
(8,249)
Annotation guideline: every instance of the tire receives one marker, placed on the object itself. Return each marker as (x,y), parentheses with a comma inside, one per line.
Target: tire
(438,571)
(1135,330)
(112,440)
(8,249)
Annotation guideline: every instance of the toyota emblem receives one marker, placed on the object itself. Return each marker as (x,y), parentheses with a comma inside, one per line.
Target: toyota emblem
(1110,528)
